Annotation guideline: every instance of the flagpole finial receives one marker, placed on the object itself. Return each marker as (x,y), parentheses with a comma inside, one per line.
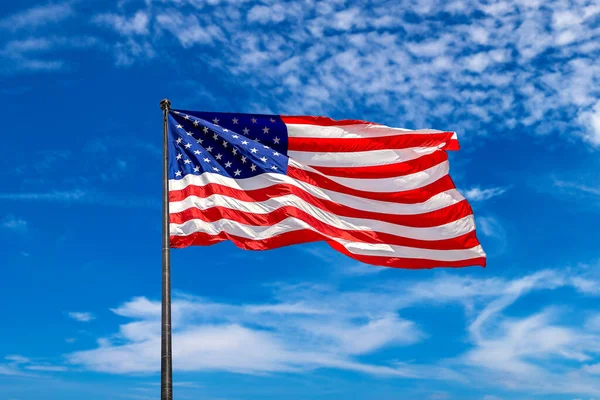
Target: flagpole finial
(165,104)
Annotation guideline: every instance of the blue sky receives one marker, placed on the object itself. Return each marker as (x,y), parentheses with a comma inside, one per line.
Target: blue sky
(80,201)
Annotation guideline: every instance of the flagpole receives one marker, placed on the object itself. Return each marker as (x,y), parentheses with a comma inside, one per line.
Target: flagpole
(166,357)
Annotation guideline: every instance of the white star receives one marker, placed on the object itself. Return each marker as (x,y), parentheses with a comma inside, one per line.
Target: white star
(253,167)
(237,172)
(178,173)
(196,169)
(266,147)
(225,130)
(246,130)
(264,159)
(199,141)
(274,167)
(276,140)
(216,120)
(206,160)
(187,161)
(205,129)
(197,152)
(235,136)
(179,156)
(244,159)
(254,150)
(216,169)
(256,140)
(187,117)
(219,156)
(234,151)
(244,142)
(276,154)
(188,145)
(253,120)
(179,140)
(189,133)
(224,143)
(272,120)
(265,130)
(176,112)
(235,120)
(228,164)
(196,123)
(179,127)
(215,136)
(209,149)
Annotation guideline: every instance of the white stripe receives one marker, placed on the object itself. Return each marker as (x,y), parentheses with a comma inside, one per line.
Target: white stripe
(293,224)
(386,250)
(359,158)
(352,131)
(261,181)
(388,185)
(446,231)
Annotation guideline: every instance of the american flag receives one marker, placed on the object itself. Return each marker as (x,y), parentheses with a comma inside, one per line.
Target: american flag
(380,195)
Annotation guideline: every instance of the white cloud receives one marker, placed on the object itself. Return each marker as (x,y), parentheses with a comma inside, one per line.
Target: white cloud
(16,224)
(81,316)
(336,58)
(84,197)
(478,194)
(590,118)
(19,365)
(17,359)
(10,371)
(316,326)
(35,53)
(187,29)
(136,25)
(587,189)
(491,227)
(47,368)
(37,16)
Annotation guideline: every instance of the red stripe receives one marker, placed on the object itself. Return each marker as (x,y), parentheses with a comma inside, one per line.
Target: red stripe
(350,145)
(387,170)
(321,121)
(412,196)
(433,218)
(213,214)
(452,145)
(408,263)
(305,236)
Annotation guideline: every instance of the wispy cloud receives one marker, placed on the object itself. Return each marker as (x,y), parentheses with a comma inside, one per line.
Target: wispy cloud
(46,368)
(84,197)
(590,118)
(586,189)
(479,194)
(136,25)
(81,316)
(37,16)
(18,365)
(317,326)
(17,359)
(37,53)
(511,67)
(15,224)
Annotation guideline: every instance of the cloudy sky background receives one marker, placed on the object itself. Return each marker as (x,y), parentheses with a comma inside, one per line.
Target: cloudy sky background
(80,201)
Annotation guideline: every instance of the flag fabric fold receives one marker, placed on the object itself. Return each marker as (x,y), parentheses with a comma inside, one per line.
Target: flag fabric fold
(380,195)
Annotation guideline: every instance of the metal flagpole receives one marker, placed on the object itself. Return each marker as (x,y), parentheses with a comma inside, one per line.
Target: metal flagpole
(166,359)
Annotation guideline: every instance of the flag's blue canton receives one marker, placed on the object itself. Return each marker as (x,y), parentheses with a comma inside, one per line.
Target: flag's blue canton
(233,145)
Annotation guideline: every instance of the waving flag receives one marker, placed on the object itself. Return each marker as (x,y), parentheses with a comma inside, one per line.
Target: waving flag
(380,195)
